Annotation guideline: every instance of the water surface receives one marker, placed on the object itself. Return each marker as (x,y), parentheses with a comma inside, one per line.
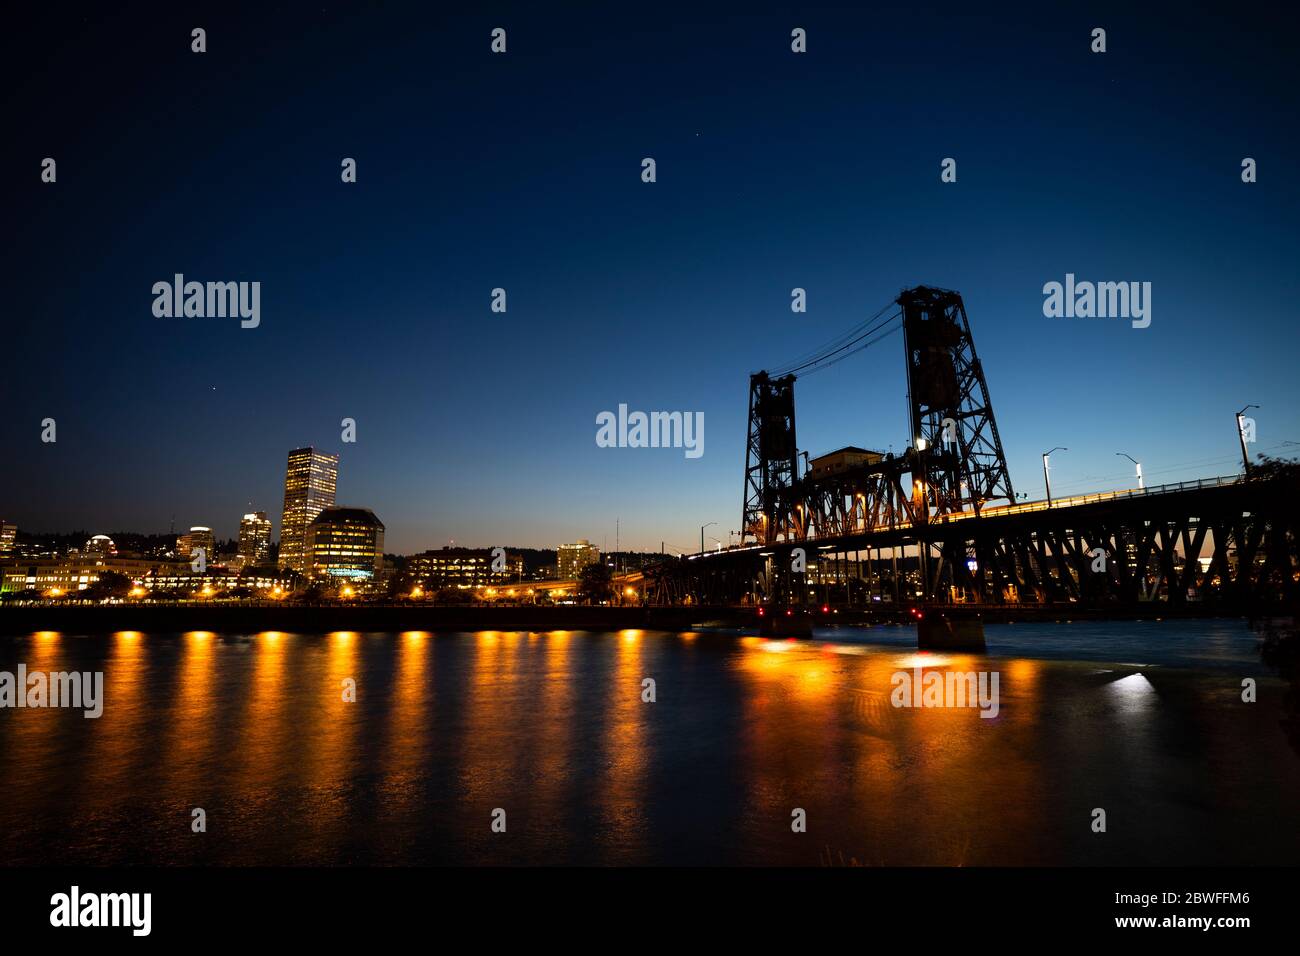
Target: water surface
(552,728)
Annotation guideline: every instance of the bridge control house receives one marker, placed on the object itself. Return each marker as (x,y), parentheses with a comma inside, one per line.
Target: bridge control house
(842,460)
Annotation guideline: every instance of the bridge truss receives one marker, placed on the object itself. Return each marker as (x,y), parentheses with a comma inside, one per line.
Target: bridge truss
(1231,544)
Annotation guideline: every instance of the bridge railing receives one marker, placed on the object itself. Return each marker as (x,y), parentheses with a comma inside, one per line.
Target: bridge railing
(1073,500)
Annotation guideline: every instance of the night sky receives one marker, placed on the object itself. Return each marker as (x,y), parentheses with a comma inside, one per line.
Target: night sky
(523,171)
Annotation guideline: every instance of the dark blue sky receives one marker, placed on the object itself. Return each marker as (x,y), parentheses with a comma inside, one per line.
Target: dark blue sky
(775,170)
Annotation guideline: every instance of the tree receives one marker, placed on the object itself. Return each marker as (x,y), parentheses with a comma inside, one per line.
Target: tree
(400,585)
(110,584)
(594,583)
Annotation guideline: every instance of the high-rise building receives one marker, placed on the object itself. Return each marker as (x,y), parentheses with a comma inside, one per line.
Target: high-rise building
(309,484)
(345,543)
(198,537)
(8,538)
(572,558)
(254,539)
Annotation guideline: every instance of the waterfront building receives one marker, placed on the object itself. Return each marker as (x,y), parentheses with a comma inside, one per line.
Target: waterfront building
(345,543)
(572,558)
(76,572)
(461,568)
(310,482)
(53,578)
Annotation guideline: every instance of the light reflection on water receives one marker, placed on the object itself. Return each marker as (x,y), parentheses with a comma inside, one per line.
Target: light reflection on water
(552,728)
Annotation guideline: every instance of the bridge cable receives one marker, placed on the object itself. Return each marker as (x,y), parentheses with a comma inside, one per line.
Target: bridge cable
(834,344)
(839,345)
(880,337)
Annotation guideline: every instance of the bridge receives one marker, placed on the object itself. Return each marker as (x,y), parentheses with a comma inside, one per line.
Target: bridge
(940,524)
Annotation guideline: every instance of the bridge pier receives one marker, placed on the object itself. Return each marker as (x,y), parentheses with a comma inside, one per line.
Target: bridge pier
(938,630)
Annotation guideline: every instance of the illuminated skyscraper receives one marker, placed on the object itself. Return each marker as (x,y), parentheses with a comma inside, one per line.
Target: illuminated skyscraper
(254,539)
(309,486)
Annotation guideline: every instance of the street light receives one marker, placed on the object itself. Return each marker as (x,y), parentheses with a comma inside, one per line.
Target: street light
(702,527)
(1241,435)
(1136,462)
(1047,480)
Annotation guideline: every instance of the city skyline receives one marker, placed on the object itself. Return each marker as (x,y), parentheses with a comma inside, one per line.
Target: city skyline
(614,438)
(473,175)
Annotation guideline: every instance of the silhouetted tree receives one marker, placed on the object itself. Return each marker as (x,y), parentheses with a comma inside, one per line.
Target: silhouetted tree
(110,584)
(400,585)
(594,583)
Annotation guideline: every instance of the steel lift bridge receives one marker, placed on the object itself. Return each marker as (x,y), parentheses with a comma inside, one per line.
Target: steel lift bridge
(946,509)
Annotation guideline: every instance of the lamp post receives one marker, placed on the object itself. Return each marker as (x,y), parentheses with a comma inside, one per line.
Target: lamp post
(1136,462)
(1241,436)
(702,527)
(1047,481)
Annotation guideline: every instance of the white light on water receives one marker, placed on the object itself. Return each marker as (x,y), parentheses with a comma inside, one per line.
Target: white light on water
(1132,693)
(924,660)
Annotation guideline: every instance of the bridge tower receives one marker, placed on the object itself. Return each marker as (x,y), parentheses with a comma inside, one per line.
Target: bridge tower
(957,457)
(771,458)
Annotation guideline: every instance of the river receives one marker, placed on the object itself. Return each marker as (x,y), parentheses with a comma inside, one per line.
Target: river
(552,737)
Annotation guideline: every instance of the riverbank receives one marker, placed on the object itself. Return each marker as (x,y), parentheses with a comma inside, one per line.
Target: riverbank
(314,619)
(234,618)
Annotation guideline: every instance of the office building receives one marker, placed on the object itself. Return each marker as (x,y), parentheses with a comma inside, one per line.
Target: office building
(345,543)
(462,568)
(309,486)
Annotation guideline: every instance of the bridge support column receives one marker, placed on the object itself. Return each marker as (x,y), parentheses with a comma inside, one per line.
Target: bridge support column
(938,630)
